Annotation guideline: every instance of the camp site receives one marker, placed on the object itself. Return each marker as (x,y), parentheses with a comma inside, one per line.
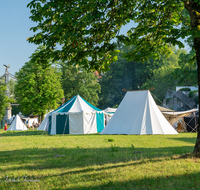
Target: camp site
(100,95)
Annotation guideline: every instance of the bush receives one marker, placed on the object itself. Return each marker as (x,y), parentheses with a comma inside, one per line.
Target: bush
(185,89)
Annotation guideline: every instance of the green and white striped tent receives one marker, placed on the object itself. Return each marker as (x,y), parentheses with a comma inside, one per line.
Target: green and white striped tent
(77,116)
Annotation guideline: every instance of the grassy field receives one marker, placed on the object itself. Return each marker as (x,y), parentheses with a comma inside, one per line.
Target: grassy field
(35,160)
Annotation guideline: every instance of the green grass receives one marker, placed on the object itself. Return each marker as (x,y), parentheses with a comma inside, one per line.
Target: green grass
(98,161)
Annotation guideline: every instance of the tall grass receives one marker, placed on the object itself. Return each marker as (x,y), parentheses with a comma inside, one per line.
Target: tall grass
(35,160)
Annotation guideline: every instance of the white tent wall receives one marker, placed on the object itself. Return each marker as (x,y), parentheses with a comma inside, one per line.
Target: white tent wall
(44,125)
(160,120)
(76,123)
(107,117)
(31,120)
(138,114)
(90,124)
(53,126)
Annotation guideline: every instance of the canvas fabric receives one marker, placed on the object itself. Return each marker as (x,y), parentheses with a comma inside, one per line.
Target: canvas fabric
(17,125)
(138,114)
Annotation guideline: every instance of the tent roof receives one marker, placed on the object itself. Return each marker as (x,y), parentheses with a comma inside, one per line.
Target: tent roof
(77,104)
(138,114)
(173,117)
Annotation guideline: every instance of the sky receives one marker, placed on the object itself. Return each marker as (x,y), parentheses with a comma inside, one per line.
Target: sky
(14,30)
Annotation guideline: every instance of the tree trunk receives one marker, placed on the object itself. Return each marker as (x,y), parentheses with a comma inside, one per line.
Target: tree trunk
(194,11)
(197,49)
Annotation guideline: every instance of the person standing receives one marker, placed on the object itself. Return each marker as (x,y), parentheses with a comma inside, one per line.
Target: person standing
(5,128)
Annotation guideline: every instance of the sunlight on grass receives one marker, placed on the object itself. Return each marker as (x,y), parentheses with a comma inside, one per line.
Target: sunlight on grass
(97,161)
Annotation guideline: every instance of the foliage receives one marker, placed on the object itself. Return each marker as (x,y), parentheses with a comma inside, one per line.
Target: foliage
(193,93)
(16,110)
(4,101)
(138,162)
(185,89)
(78,81)
(38,87)
(12,84)
(87,28)
(135,75)
(123,74)
(163,79)
(186,73)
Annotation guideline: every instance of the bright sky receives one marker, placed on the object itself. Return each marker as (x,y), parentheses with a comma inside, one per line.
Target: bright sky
(15,29)
(15,25)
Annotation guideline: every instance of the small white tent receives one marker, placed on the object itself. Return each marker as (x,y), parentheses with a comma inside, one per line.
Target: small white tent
(138,114)
(17,125)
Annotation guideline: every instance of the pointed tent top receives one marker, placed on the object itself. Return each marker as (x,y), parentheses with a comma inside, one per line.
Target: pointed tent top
(17,125)
(77,104)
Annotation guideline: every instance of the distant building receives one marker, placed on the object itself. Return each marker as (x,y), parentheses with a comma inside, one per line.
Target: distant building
(179,100)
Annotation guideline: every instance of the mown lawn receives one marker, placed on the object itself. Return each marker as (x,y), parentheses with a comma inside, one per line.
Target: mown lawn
(97,161)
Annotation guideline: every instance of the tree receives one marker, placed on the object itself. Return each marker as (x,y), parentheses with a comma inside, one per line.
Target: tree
(78,81)
(86,29)
(123,74)
(186,73)
(12,84)
(163,79)
(38,87)
(4,101)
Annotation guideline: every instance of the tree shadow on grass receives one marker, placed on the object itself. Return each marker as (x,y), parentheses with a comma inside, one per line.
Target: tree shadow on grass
(69,158)
(36,132)
(182,182)
(191,140)
(22,133)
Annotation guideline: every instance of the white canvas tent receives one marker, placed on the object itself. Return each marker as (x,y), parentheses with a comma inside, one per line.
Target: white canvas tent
(45,123)
(138,114)
(77,116)
(17,125)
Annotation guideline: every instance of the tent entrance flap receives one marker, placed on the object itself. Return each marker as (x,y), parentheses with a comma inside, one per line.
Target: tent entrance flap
(62,124)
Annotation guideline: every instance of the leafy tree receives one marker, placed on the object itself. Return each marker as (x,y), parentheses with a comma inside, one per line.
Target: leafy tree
(4,101)
(38,87)
(186,73)
(78,81)
(12,84)
(87,29)
(123,74)
(163,79)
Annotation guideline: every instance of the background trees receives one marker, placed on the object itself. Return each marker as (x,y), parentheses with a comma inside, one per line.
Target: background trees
(4,101)
(163,78)
(38,87)
(78,81)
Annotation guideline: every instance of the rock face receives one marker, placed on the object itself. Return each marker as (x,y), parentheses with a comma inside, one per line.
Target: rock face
(185,99)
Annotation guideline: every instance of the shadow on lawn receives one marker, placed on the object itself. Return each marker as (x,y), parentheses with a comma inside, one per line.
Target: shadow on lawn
(191,140)
(69,158)
(35,132)
(184,181)
(22,133)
